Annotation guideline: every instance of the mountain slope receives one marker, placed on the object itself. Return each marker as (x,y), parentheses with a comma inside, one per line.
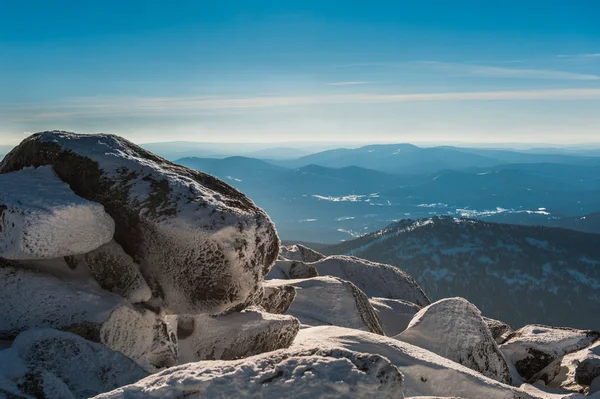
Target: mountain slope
(519,274)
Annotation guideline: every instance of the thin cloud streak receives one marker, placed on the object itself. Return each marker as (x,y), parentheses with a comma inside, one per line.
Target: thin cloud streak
(349,83)
(97,107)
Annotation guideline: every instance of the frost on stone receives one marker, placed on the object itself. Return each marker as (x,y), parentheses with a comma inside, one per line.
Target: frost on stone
(278,299)
(115,271)
(32,299)
(394,314)
(500,330)
(41,218)
(578,369)
(232,336)
(291,269)
(425,373)
(50,364)
(534,347)
(453,328)
(202,245)
(305,373)
(301,253)
(329,300)
(374,279)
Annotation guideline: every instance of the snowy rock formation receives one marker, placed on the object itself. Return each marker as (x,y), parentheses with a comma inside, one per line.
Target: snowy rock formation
(203,246)
(301,253)
(534,347)
(453,328)
(291,269)
(578,369)
(500,330)
(31,299)
(303,373)
(41,218)
(50,364)
(329,300)
(374,279)
(232,336)
(277,299)
(394,314)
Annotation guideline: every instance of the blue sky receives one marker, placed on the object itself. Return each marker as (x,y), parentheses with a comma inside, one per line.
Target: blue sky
(277,71)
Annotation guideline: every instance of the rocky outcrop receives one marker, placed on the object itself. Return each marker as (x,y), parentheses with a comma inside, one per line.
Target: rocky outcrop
(374,279)
(500,330)
(50,364)
(203,245)
(578,369)
(41,218)
(301,253)
(329,300)
(533,347)
(278,299)
(291,269)
(394,314)
(79,307)
(304,373)
(232,336)
(453,328)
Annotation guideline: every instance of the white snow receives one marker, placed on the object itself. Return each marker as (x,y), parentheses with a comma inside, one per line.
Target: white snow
(394,314)
(301,253)
(41,218)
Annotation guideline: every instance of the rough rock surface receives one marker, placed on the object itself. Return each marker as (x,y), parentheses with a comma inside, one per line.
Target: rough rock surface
(50,364)
(500,330)
(453,328)
(329,300)
(425,373)
(534,347)
(305,374)
(232,336)
(203,246)
(394,314)
(374,279)
(578,369)
(30,299)
(115,271)
(278,299)
(291,269)
(301,253)
(41,218)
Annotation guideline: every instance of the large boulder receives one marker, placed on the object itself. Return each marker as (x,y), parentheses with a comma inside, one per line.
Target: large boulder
(291,269)
(232,336)
(203,246)
(41,218)
(578,369)
(425,373)
(533,347)
(277,299)
(499,329)
(374,279)
(51,364)
(394,314)
(453,328)
(305,373)
(30,299)
(301,253)
(329,300)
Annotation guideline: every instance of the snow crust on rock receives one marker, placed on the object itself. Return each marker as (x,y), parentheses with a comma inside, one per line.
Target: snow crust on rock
(534,347)
(46,363)
(500,330)
(202,245)
(277,299)
(425,373)
(374,279)
(32,299)
(394,314)
(291,269)
(42,218)
(577,369)
(453,328)
(306,373)
(232,336)
(301,253)
(326,300)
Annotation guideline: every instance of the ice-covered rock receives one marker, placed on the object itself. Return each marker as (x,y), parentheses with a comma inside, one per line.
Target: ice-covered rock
(578,369)
(291,269)
(453,328)
(301,253)
(374,279)
(202,245)
(394,314)
(30,299)
(425,373)
(51,364)
(304,374)
(326,300)
(115,271)
(42,218)
(277,299)
(500,330)
(232,336)
(534,347)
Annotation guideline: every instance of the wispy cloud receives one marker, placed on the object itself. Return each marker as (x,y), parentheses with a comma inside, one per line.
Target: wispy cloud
(127,107)
(349,83)
(585,55)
